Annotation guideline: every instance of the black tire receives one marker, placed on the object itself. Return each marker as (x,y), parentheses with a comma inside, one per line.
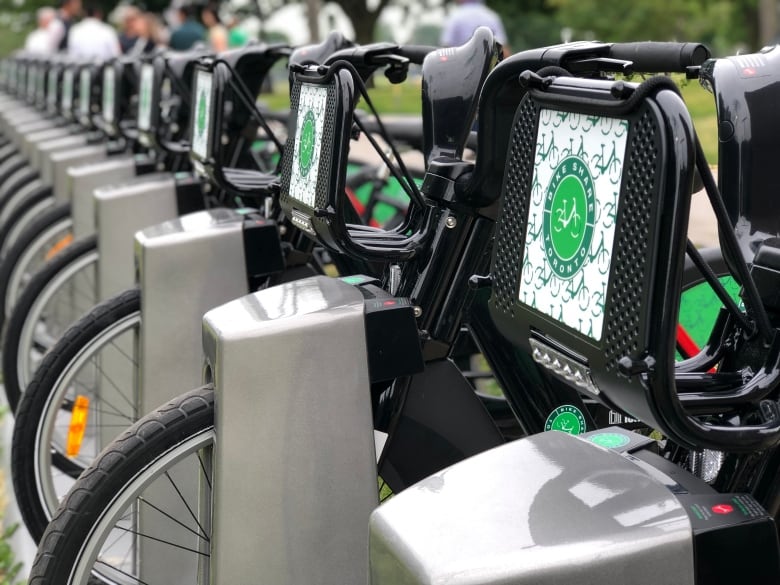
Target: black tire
(82,522)
(13,166)
(37,286)
(15,181)
(45,222)
(49,394)
(38,196)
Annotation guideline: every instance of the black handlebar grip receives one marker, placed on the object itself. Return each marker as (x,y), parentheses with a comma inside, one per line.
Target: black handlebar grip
(416,53)
(654,57)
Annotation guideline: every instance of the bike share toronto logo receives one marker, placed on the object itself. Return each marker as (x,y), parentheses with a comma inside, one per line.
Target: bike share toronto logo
(306,145)
(567,419)
(569,212)
(572,211)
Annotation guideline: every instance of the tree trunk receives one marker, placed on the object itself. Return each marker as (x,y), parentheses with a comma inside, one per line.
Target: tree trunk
(312,20)
(363,19)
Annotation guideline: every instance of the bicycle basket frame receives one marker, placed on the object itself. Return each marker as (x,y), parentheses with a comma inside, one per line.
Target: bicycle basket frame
(314,173)
(601,322)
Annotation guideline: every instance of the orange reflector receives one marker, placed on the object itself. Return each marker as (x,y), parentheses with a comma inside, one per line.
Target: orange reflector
(63,242)
(78,424)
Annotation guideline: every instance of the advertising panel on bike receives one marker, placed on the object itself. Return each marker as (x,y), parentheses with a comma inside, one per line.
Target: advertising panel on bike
(85,83)
(576,182)
(314,163)
(66,103)
(312,108)
(202,114)
(109,86)
(145,97)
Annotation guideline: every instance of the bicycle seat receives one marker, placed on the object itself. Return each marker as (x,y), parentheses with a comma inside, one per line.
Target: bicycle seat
(452,81)
(746,89)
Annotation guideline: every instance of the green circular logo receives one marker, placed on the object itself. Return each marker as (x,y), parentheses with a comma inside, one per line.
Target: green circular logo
(610,440)
(306,143)
(567,419)
(569,214)
(201,112)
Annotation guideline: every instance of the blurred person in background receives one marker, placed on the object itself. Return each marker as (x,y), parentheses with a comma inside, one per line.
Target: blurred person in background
(141,32)
(217,34)
(189,31)
(40,40)
(237,35)
(92,38)
(59,28)
(466,18)
(123,16)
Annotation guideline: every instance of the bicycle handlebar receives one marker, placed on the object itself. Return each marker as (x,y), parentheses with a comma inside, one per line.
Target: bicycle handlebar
(655,57)
(416,53)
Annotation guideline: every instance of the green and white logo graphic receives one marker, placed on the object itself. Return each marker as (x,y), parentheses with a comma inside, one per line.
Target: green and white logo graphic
(567,419)
(108,94)
(67,90)
(308,136)
(578,168)
(145,97)
(569,210)
(312,107)
(200,133)
(85,89)
(610,440)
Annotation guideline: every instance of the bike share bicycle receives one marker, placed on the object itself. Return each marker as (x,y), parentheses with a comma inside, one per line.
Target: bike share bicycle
(659,523)
(100,263)
(28,254)
(110,161)
(205,249)
(198,247)
(49,145)
(314,439)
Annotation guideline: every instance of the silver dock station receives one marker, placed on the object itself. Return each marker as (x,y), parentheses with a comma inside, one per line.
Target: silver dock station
(82,180)
(120,211)
(54,173)
(548,509)
(185,267)
(293,422)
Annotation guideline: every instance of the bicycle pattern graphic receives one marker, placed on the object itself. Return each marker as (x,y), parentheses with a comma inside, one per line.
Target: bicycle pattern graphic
(578,167)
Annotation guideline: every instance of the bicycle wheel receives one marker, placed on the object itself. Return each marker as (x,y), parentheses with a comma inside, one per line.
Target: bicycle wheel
(62,291)
(39,242)
(699,306)
(141,513)
(35,203)
(87,376)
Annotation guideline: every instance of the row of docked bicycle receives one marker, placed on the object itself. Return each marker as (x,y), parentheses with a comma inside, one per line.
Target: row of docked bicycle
(160,232)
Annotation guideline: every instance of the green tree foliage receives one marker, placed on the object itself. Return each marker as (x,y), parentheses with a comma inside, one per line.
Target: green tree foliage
(722,24)
(528,23)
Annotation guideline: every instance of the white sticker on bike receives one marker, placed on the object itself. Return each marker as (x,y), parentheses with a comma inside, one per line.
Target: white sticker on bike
(108,94)
(85,89)
(202,117)
(145,97)
(578,168)
(312,108)
(67,90)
